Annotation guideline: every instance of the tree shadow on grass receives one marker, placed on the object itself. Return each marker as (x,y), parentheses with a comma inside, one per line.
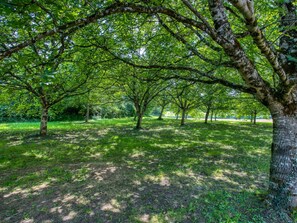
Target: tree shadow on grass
(162,174)
(110,193)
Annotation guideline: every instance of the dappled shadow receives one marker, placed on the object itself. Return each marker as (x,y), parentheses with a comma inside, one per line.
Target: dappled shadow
(109,193)
(163,173)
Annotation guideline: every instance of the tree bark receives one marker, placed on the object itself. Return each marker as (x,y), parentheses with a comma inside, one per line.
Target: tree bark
(255,117)
(182,122)
(43,121)
(139,121)
(177,114)
(211,115)
(283,166)
(161,113)
(207,114)
(87,117)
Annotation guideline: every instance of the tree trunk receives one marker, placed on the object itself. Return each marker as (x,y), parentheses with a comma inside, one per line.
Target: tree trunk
(252,115)
(255,117)
(211,115)
(182,122)
(43,121)
(87,117)
(207,114)
(139,121)
(177,113)
(161,113)
(283,167)
(215,116)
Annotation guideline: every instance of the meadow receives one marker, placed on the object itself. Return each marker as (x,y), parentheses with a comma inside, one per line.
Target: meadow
(105,171)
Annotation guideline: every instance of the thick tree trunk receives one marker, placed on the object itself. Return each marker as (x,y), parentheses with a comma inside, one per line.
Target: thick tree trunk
(161,113)
(182,122)
(43,121)
(283,167)
(207,114)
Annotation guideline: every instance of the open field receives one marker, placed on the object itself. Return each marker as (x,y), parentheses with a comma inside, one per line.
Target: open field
(106,171)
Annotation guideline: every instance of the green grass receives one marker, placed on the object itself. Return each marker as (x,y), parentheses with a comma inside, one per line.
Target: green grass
(106,171)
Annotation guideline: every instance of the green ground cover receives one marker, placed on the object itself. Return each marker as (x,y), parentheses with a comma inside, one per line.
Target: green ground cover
(106,171)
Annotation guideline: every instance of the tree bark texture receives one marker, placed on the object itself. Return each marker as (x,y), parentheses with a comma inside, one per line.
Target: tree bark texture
(283,166)
(43,121)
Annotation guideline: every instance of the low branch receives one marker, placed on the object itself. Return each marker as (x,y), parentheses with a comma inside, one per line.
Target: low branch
(211,78)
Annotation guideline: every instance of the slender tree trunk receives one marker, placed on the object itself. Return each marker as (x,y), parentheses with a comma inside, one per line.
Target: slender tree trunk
(283,167)
(161,113)
(177,114)
(182,122)
(207,114)
(255,117)
(139,121)
(252,117)
(87,117)
(215,117)
(211,115)
(43,121)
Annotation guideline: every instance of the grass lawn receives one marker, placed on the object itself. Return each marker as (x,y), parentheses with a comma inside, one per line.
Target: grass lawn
(106,171)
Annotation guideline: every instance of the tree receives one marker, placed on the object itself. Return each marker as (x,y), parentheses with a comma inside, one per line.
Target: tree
(46,77)
(184,96)
(248,106)
(162,101)
(141,90)
(229,34)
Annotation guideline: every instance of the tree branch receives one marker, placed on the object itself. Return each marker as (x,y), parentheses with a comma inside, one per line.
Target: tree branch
(115,8)
(246,8)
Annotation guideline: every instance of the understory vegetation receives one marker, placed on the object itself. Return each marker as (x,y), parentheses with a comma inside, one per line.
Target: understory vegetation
(106,171)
